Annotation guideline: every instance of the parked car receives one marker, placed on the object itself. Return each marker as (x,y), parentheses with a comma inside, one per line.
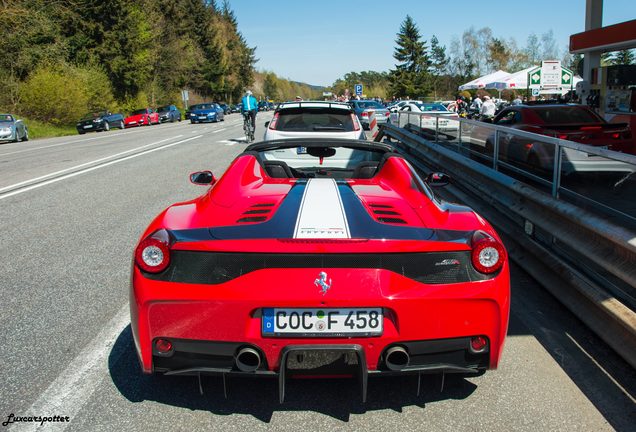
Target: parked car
(263,106)
(99,121)
(226,108)
(206,112)
(363,107)
(169,113)
(440,118)
(237,108)
(571,122)
(314,268)
(12,129)
(313,119)
(140,117)
(395,106)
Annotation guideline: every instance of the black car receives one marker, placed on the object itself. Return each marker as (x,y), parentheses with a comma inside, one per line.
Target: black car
(226,108)
(99,121)
(169,113)
(237,108)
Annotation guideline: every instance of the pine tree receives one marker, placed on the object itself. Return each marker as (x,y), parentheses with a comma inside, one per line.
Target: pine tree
(411,77)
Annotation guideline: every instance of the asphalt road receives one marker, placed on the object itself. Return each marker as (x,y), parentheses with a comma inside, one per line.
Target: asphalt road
(71,210)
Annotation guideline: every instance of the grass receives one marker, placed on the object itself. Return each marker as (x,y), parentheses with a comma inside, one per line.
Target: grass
(38,129)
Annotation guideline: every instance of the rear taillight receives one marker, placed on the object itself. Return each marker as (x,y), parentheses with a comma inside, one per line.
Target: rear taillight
(364,114)
(616,135)
(488,255)
(272,124)
(153,253)
(562,136)
(354,120)
(386,114)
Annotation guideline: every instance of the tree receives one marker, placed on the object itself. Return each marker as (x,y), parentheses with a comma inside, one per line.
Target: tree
(411,75)
(533,50)
(498,55)
(550,51)
(623,57)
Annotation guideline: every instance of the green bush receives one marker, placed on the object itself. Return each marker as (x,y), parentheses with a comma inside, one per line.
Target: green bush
(61,94)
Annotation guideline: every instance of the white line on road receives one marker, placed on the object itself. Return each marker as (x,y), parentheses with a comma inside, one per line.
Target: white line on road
(85,170)
(66,143)
(84,164)
(219,130)
(72,388)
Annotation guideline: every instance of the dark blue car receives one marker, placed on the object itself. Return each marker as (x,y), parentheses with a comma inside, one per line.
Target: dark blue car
(206,112)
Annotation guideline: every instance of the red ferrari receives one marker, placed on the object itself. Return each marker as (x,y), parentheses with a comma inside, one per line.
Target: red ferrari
(319,258)
(140,117)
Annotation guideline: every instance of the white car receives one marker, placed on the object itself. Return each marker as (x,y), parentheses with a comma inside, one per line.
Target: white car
(395,107)
(313,119)
(432,115)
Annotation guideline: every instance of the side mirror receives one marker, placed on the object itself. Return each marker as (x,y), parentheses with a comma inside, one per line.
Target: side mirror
(437,179)
(266,123)
(202,178)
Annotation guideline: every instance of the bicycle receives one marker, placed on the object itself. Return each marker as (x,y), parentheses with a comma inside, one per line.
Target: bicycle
(248,128)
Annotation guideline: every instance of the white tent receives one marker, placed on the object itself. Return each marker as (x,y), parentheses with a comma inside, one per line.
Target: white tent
(519,80)
(481,82)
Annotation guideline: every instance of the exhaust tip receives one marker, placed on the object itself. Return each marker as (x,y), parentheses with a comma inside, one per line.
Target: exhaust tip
(397,358)
(248,359)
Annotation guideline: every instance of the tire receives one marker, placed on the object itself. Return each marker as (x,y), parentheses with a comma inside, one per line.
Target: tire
(81,132)
(26,134)
(149,121)
(121,124)
(106,126)
(17,136)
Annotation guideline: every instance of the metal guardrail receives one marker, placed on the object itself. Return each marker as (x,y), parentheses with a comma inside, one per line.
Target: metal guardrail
(560,166)
(583,258)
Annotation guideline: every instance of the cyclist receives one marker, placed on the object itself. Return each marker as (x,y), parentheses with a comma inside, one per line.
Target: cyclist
(250,107)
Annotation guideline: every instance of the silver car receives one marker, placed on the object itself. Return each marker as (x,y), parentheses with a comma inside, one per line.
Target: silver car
(363,108)
(313,119)
(12,129)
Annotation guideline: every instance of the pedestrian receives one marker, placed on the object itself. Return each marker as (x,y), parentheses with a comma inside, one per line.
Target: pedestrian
(488,108)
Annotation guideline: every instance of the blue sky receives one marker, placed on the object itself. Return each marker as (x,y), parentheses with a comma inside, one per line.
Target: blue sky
(319,41)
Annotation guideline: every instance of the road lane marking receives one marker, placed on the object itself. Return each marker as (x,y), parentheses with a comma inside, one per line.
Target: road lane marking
(73,388)
(93,168)
(219,130)
(13,186)
(66,143)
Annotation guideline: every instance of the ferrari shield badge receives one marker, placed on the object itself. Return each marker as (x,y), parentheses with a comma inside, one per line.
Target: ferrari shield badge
(323,282)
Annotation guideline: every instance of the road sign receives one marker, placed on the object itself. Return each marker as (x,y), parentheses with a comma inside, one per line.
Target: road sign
(358,89)
(535,92)
(550,73)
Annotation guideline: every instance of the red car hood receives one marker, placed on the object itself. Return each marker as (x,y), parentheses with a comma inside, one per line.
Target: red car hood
(135,117)
(386,212)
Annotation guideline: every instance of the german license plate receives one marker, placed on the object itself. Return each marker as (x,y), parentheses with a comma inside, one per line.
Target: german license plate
(88,126)
(322,322)
(301,150)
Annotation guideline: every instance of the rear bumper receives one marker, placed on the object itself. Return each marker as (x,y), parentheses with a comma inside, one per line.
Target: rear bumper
(208,324)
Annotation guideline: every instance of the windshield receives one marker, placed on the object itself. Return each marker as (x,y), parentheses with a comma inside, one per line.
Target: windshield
(6,118)
(370,104)
(139,111)
(315,119)
(432,107)
(339,164)
(93,115)
(566,115)
(202,107)
(163,108)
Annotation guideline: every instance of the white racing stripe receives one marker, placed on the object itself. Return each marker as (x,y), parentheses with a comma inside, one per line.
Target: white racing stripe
(321,213)
(73,388)
(85,170)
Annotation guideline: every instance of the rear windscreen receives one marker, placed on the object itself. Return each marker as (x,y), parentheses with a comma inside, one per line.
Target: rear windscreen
(566,115)
(315,120)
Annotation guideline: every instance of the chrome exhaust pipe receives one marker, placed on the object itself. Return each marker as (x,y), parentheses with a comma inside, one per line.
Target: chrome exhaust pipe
(248,359)
(397,358)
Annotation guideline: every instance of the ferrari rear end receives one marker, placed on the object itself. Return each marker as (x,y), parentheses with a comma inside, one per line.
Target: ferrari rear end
(294,290)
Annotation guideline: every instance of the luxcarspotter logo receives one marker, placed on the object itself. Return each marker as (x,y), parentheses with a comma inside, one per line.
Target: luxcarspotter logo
(12,418)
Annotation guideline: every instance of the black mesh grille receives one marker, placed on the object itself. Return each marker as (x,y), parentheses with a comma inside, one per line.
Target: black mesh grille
(215,268)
